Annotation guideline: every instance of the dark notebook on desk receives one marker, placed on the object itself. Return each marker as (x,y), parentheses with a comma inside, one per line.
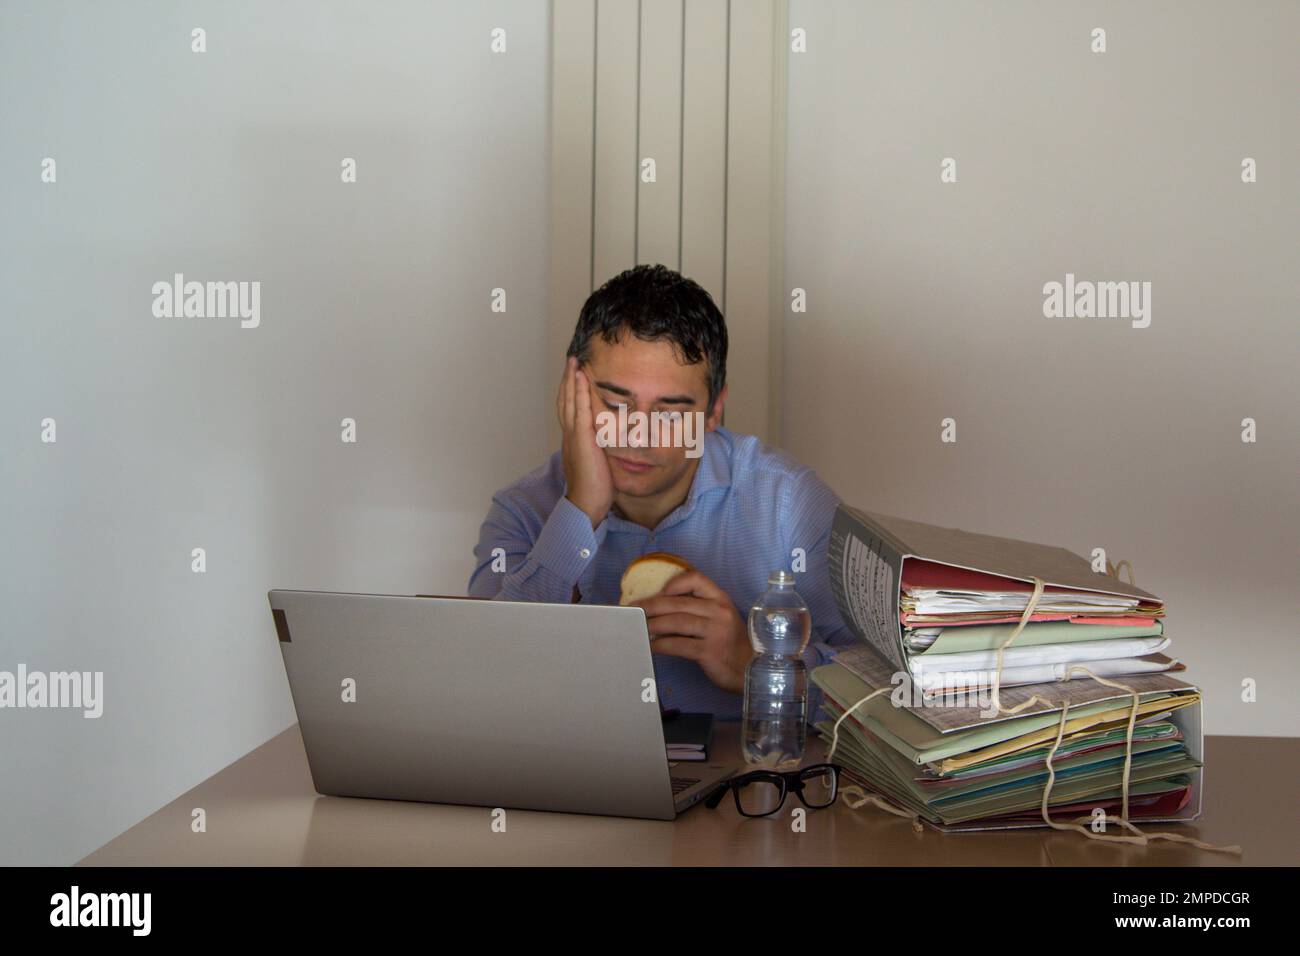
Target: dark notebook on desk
(687,736)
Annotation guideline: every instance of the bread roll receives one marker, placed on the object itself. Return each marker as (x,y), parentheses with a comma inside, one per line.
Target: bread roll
(646,576)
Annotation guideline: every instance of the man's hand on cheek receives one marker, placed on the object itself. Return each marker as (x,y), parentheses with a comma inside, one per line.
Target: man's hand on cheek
(694,618)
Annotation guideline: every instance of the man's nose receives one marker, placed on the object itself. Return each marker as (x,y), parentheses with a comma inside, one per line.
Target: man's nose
(637,432)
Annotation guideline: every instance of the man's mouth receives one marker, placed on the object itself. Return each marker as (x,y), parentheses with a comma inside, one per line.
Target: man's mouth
(631,466)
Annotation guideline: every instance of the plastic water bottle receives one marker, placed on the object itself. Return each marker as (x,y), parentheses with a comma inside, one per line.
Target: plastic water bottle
(776,680)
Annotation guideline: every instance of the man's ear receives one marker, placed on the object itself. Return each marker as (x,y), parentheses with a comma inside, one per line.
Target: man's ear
(715,416)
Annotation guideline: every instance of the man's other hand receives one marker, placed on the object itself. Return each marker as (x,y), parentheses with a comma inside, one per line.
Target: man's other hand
(694,618)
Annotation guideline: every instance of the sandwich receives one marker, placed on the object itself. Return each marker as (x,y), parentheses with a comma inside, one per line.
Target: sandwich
(646,576)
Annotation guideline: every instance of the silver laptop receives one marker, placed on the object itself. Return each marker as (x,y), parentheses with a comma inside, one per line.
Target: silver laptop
(489,703)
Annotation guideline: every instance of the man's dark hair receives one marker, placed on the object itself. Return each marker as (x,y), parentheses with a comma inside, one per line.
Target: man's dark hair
(653,303)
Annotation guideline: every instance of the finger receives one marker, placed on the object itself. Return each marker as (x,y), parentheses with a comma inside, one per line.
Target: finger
(685,625)
(688,647)
(582,417)
(677,604)
(567,422)
(559,392)
(693,582)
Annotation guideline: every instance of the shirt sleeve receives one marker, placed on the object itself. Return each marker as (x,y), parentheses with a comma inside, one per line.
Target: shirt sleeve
(809,511)
(513,565)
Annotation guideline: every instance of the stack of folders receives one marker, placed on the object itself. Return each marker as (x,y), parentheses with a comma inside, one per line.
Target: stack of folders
(961,768)
(934,606)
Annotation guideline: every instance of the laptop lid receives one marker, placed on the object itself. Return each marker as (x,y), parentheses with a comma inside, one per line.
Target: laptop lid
(488,703)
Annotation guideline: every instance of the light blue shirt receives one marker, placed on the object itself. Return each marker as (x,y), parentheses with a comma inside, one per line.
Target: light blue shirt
(749,507)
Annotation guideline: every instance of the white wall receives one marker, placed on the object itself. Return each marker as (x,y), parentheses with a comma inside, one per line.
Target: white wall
(183,433)
(925,299)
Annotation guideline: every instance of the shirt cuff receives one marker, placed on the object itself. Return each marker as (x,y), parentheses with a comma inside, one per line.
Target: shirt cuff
(567,543)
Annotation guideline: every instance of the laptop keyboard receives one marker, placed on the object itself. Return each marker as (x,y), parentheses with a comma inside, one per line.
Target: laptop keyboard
(683,783)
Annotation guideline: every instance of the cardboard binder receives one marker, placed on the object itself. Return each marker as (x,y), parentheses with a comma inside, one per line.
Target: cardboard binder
(867,551)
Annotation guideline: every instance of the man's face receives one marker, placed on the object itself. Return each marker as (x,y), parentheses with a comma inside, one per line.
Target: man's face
(647,377)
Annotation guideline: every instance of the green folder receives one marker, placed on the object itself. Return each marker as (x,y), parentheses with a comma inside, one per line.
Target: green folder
(989,637)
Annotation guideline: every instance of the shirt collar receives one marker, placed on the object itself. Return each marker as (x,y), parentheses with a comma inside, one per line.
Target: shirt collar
(714,470)
(712,474)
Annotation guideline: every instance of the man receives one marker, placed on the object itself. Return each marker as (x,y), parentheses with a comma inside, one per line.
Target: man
(655,342)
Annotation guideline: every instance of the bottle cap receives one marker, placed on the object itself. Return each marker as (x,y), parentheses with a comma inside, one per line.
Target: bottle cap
(780,577)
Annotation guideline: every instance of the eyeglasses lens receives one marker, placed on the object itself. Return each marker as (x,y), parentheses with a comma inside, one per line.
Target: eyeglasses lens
(759,797)
(819,787)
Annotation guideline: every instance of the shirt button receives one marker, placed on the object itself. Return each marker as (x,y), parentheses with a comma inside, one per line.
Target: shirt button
(585,552)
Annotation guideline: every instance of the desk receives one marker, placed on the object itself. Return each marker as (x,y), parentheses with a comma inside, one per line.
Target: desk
(262,810)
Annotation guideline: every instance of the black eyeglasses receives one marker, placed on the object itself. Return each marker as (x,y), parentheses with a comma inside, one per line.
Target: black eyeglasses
(761,792)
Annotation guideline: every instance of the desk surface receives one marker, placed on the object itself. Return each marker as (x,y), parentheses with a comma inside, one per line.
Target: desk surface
(262,810)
